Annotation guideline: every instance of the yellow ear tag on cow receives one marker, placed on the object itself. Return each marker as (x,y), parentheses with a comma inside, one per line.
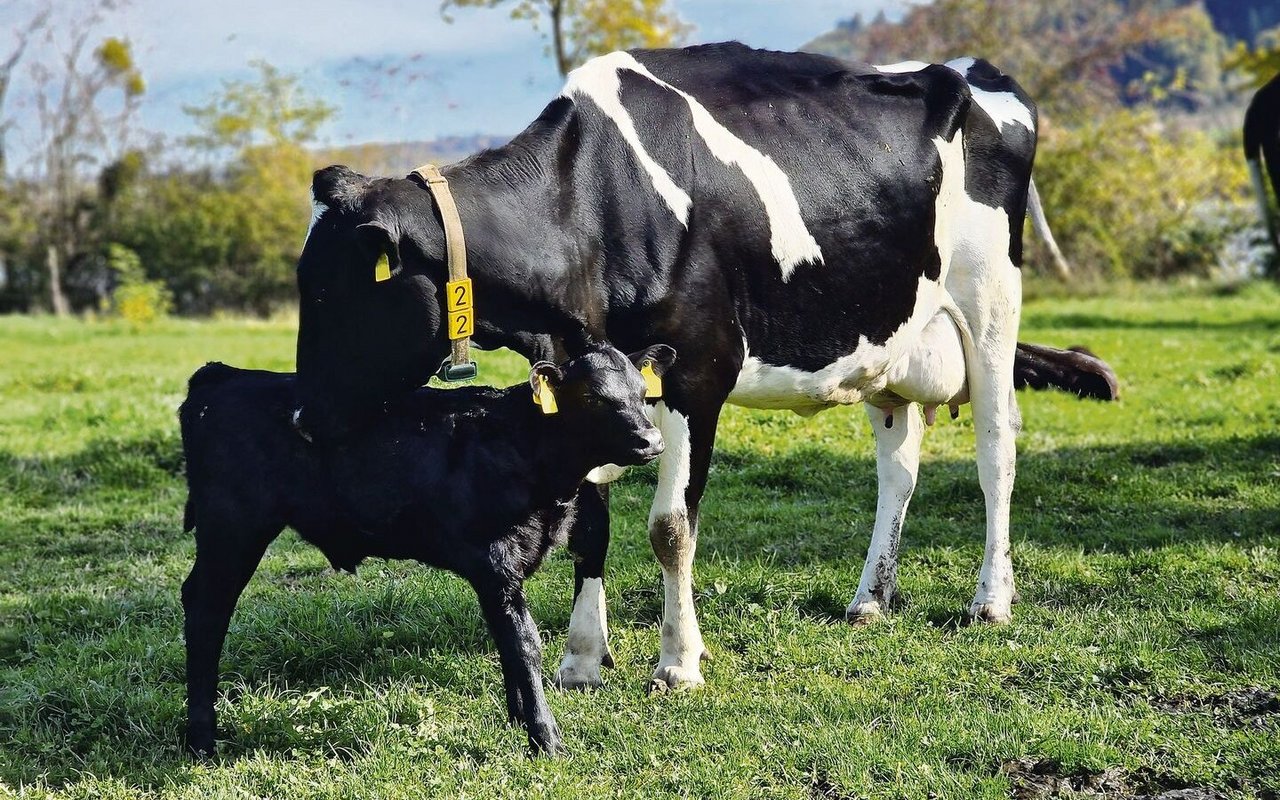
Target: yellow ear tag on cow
(652,383)
(544,397)
(382,270)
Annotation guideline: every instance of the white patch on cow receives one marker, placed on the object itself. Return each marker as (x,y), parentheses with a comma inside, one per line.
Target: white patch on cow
(673,468)
(317,211)
(1002,107)
(588,641)
(605,473)
(901,66)
(598,80)
(1259,191)
(790,240)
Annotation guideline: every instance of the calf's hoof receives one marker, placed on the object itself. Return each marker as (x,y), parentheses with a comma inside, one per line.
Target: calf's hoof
(545,741)
(863,612)
(675,677)
(582,671)
(990,613)
(202,749)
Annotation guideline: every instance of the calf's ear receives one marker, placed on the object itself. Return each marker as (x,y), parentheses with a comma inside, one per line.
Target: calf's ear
(544,369)
(659,356)
(383,246)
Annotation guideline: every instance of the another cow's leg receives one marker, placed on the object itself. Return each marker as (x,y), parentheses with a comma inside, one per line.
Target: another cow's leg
(225,560)
(996,423)
(520,651)
(586,648)
(673,532)
(897,462)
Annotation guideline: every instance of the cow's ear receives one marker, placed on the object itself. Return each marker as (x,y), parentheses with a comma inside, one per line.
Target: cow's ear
(383,245)
(544,369)
(659,356)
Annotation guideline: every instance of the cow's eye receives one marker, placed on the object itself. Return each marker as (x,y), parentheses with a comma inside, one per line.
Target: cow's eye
(596,401)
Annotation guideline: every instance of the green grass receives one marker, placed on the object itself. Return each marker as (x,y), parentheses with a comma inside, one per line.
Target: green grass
(1146,543)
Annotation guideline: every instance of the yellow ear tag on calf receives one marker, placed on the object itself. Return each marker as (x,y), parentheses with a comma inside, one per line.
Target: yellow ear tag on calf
(544,397)
(382,270)
(652,383)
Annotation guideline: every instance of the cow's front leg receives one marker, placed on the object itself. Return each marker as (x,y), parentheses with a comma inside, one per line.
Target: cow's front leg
(586,647)
(897,462)
(673,532)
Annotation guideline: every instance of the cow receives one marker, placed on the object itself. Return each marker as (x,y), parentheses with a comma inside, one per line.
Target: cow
(1262,143)
(808,232)
(477,481)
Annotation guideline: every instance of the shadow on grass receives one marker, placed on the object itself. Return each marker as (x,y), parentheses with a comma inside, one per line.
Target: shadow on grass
(122,715)
(1099,321)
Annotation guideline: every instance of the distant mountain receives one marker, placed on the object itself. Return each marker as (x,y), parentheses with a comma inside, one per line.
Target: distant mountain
(398,158)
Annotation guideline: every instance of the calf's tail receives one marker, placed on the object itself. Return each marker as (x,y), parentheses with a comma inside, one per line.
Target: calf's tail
(1074,370)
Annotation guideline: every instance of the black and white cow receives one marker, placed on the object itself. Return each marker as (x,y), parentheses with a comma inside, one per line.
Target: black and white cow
(1262,143)
(807,232)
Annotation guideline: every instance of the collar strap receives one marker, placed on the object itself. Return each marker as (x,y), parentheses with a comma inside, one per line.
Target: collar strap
(459,306)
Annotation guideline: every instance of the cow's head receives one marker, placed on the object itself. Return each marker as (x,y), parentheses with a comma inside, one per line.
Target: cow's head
(601,397)
(364,337)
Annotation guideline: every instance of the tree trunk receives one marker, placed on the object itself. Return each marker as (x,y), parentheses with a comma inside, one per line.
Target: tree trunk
(557,36)
(58,300)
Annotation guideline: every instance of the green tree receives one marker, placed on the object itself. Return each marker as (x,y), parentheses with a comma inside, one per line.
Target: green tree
(580,29)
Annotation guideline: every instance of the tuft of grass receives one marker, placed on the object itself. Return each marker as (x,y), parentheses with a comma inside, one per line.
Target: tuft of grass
(1146,544)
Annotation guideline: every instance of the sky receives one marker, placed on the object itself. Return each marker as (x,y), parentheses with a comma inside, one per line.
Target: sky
(484,73)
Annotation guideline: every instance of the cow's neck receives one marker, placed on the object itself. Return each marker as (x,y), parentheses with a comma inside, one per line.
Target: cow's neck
(531,253)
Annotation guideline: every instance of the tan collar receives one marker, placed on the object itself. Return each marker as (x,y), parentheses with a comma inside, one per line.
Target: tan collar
(460,315)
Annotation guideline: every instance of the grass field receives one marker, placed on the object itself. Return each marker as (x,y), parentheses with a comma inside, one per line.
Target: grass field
(1145,655)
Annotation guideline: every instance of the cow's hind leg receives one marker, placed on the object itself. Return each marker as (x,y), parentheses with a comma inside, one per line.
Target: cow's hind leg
(225,560)
(673,532)
(897,462)
(586,647)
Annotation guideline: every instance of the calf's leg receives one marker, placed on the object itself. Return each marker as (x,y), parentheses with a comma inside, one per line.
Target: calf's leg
(225,560)
(520,651)
(586,648)
(897,462)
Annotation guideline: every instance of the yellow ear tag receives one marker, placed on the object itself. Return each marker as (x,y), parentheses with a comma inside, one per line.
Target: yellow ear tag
(544,397)
(652,383)
(382,270)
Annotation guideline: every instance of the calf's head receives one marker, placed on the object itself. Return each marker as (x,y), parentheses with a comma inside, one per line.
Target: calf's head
(600,399)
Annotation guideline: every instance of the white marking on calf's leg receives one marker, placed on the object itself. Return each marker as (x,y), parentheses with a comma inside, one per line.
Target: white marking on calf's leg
(897,464)
(674,540)
(587,645)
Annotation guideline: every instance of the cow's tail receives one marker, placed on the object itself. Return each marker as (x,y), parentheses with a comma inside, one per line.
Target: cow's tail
(1041,225)
(1074,370)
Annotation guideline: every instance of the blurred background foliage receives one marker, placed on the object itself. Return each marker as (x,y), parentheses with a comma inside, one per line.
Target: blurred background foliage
(1140,163)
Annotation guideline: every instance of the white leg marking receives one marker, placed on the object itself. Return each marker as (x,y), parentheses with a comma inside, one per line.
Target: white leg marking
(673,543)
(897,463)
(587,646)
(598,79)
(1260,192)
(790,238)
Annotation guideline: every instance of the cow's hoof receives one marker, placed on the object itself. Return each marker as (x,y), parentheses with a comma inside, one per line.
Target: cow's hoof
(202,751)
(675,677)
(863,612)
(578,676)
(990,613)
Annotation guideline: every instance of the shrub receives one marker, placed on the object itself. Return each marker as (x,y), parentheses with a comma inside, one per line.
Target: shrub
(1130,196)
(135,299)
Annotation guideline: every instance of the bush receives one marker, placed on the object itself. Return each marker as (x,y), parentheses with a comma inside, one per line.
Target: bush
(135,299)
(1129,196)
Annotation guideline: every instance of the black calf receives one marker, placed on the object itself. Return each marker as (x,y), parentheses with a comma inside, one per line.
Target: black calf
(477,481)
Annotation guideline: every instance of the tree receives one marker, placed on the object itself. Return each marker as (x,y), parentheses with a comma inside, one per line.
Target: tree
(84,100)
(580,29)
(22,35)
